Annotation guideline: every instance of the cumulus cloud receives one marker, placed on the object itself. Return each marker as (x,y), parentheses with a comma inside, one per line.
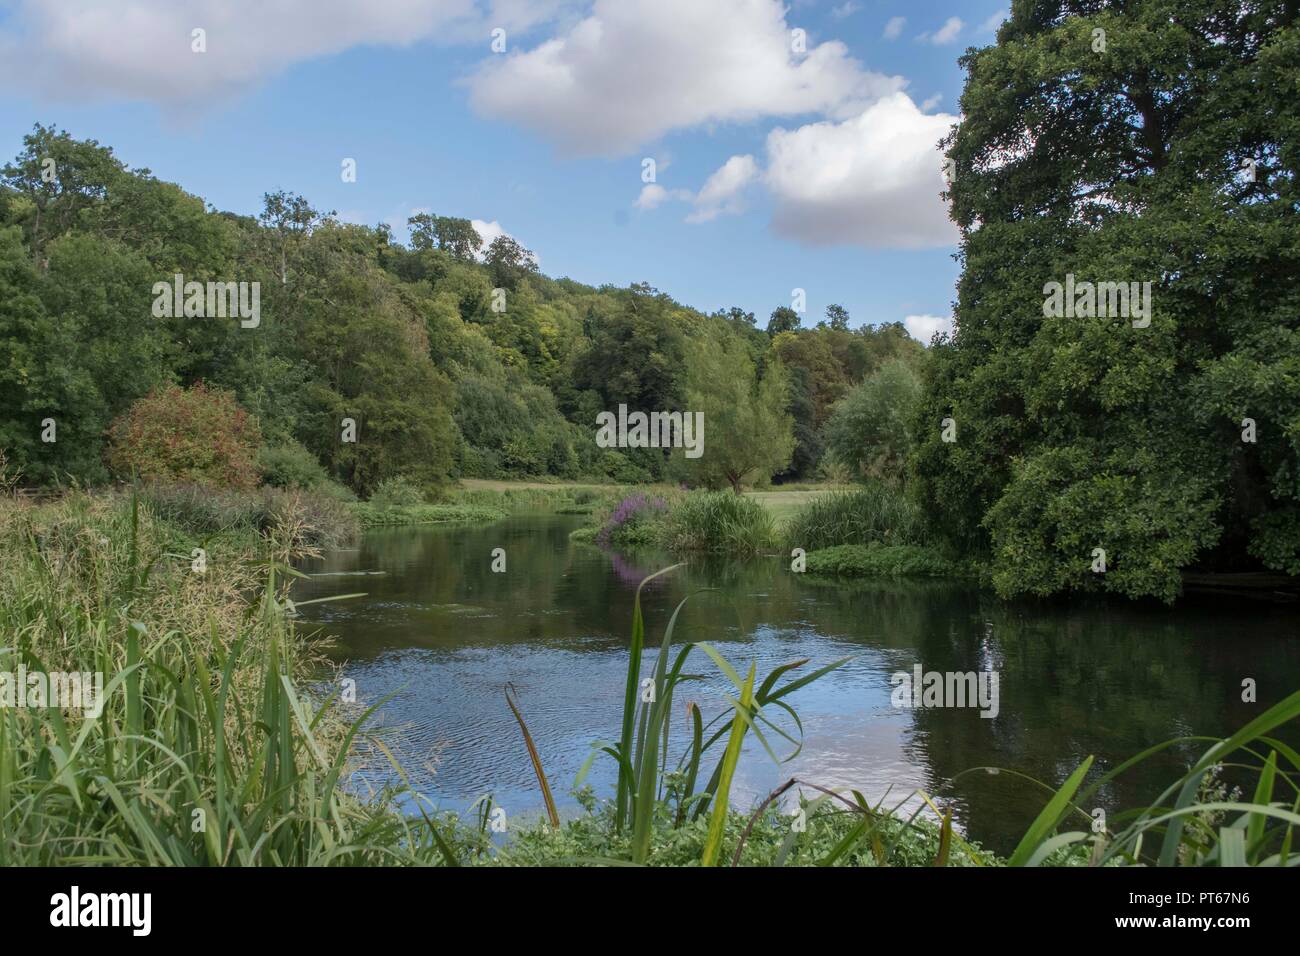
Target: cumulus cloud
(636,69)
(923,327)
(654,195)
(722,192)
(872,180)
(894,28)
(945,34)
(142,50)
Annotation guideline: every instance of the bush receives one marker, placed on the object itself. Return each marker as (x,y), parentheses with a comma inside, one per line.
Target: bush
(876,513)
(718,522)
(191,435)
(201,510)
(869,430)
(623,470)
(397,492)
(290,465)
(879,560)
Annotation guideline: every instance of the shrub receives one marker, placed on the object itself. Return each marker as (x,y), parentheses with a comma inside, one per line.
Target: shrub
(719,522)
(876,513)
(870,428)
(190,435)
(623,470)
(399,492)
(290,465)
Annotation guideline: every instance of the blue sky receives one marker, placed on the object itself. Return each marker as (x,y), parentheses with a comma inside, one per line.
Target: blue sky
(832,184)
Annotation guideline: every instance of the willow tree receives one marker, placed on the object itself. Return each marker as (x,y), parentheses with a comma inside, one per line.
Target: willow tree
(748,436)
(1124,142)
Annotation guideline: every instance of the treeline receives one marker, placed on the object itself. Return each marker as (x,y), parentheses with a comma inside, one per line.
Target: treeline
(451,359)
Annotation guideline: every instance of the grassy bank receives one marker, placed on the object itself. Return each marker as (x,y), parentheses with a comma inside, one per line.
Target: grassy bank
(378,516)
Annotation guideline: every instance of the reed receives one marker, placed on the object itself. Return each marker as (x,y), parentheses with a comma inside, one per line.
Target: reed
(873,514)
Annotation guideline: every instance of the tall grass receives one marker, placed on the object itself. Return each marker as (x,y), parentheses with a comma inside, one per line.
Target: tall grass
(206,751)
(718,522)
(874,513)
(325,519)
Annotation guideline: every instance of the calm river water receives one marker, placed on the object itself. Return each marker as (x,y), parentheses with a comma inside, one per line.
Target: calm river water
(443,633)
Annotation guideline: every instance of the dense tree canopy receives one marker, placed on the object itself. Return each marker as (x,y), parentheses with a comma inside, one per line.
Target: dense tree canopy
(1124,143)
(424,361)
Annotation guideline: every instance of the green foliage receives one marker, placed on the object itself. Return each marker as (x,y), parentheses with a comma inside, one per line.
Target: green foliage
(874,514)
(870,429)
(636,353)
(372,516)
(783,319)
(1123,166)
(191,435)
(748,435)
(879,560)
(397,492)
(717,522)
(290,465)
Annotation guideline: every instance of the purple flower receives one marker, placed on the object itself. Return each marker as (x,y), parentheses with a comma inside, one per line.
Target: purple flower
(629,510)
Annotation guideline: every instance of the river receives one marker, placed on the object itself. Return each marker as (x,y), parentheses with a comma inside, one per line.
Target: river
(442,633)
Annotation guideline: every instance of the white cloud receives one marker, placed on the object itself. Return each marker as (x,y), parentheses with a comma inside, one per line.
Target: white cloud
(654,195)
(931,102)
(487,231)
(923,327)
(636,69)
(846,9)
(721,192)
(142,50)
(992,23)
(873,180)
(945,34)
(894,28)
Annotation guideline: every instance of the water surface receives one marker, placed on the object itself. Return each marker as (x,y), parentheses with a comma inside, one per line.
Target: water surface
(443,633)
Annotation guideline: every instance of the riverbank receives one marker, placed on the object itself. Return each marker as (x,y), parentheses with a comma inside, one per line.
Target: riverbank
(190,650)
(209,750)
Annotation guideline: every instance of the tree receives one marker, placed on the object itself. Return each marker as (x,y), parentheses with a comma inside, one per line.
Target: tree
(508,262)
(1062,444)
(870,429)
(290,218)
(636,354)
(456,237)
(196,434)
(748,433)
(838,317)
(784,319)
